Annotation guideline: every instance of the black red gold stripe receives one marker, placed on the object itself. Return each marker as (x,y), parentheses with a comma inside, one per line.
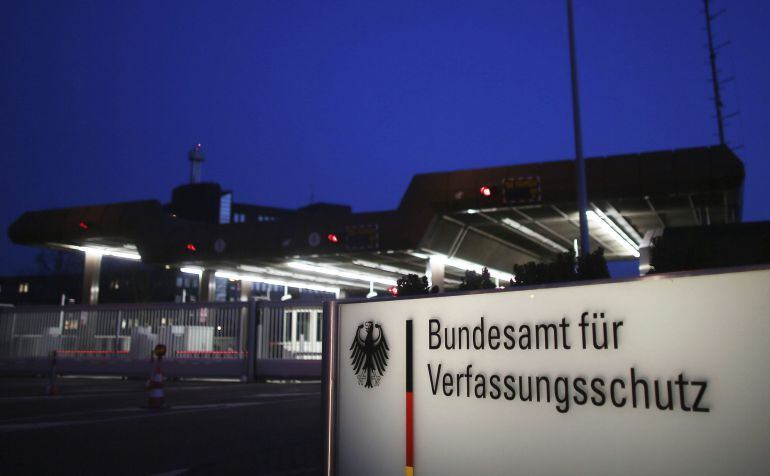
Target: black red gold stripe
(409,470)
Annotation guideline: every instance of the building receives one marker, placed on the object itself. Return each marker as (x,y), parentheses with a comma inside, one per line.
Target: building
(446,223)
(716,246)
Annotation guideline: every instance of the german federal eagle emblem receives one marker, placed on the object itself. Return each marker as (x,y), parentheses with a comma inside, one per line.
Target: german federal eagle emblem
(369,354)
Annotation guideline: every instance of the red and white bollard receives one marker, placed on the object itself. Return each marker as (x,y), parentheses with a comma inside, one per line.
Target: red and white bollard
(156,397)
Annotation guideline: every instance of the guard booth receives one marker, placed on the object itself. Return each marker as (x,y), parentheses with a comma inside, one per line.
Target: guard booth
(300,331)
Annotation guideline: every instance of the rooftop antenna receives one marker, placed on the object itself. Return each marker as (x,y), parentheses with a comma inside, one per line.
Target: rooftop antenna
(718,104)
(195,156)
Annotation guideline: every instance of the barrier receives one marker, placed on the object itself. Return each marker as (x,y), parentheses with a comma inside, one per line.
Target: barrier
(245,340)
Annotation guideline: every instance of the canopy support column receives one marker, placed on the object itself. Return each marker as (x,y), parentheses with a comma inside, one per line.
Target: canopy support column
(91,271)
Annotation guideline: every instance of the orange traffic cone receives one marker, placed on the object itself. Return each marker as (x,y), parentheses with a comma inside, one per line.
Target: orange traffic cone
(156,397)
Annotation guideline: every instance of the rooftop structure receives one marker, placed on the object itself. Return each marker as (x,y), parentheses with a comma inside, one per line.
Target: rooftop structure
(447,222)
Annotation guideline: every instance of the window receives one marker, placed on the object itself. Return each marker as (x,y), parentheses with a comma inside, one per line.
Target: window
(239,218)
(225,204)
(23,288)
(303,326)
(287,327)
(319,328)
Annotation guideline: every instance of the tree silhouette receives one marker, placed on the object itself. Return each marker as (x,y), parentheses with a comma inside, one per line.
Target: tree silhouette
(563,268)
(474,280)
(411,285)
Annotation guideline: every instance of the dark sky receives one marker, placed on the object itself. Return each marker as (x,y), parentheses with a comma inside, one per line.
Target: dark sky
(101,100)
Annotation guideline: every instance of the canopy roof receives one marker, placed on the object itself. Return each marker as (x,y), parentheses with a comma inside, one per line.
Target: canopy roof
(495,217)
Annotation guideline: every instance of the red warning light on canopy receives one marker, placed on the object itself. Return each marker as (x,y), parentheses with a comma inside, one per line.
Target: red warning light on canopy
(393,290)
(486,191)
(83,225)
(333,238)
(191,247)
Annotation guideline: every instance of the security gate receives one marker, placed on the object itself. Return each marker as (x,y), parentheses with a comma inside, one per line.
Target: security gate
(239,339)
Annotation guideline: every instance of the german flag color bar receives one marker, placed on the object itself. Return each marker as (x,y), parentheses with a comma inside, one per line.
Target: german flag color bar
(409,403)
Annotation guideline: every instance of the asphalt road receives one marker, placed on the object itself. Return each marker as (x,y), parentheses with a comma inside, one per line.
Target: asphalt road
(99,426)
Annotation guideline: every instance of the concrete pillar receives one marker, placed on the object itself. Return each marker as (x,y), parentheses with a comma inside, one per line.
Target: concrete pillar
(248,330)
(645,251)
(435,271)
(91,271)
(246,290)
(207,288)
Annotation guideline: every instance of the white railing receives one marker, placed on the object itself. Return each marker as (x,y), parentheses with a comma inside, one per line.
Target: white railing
(125,331)
(194,332)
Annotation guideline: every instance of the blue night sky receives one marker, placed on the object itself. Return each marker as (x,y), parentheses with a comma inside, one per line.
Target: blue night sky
(101,100)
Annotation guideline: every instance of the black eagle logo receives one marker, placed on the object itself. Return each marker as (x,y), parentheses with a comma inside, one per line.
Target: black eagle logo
(369,355)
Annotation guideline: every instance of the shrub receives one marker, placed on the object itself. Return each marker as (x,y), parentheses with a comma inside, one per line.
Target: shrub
(411,285)
(473,280)
(562,269)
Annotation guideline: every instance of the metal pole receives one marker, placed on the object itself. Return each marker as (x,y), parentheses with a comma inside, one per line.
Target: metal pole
(585,245)
(61,314)
(251,342)
(329,385)
(117,333)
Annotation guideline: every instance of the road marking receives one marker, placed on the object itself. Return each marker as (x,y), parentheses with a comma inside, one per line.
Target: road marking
(215,406)
(140,409)
(267,395)
(173,472)
(67,397)
(145,413)
(68,414)
(107,393)
(292,472)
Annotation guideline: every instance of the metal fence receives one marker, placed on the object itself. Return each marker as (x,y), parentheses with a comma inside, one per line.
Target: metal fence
(239,333)
(125,331)
(290,332)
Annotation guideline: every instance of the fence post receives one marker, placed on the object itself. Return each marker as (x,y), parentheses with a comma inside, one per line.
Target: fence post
(251,341)
(13,346)
(117,334)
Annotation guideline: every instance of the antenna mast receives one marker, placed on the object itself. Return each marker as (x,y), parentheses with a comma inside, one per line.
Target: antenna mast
(195,156)
(714,74)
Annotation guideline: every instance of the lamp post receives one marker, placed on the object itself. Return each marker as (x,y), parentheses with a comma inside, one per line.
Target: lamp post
(585,245)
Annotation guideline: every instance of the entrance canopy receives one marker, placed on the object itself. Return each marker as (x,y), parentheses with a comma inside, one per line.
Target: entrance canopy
(447,222)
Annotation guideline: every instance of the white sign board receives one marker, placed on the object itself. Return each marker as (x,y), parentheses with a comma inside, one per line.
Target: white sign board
(667,375)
